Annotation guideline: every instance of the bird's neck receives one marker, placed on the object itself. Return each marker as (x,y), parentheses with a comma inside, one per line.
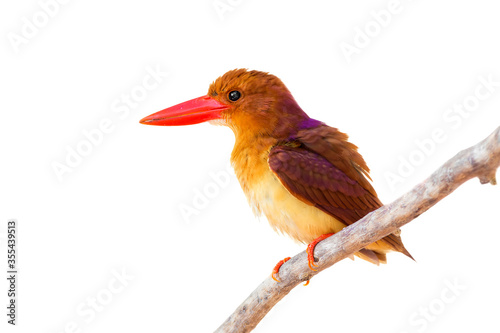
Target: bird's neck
(254,140)
(249,158)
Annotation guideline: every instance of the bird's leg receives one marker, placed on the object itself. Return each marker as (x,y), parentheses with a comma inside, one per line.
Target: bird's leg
(310,249)
(276,269)
(310,257)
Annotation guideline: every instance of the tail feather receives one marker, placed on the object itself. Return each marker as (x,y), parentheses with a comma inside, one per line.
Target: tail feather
(394,240)
(376,258)
(376,252)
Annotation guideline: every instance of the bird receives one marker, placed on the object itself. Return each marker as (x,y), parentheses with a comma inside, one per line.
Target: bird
(303,175)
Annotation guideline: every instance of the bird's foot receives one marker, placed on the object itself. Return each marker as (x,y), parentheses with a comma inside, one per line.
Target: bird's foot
(276,269)
(310,250)
(310,258)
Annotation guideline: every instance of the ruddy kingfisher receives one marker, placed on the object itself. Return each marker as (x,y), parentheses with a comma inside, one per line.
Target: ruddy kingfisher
(303,175)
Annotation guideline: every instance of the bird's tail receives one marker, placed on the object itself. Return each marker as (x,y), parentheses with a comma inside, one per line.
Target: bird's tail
(376,252)
(374,257)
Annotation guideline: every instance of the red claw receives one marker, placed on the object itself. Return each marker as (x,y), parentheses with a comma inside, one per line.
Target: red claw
(277,269)
(310,250)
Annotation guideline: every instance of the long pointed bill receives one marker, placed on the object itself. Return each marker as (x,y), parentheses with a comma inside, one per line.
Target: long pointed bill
(194,111)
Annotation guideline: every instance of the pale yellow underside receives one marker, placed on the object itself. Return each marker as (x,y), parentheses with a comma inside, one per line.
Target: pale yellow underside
(286,213)
(289,215)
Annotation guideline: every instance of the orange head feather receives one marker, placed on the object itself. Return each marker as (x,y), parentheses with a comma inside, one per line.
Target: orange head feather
(265,107)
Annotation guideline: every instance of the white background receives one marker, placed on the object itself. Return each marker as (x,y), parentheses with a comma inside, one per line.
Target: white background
(118,210)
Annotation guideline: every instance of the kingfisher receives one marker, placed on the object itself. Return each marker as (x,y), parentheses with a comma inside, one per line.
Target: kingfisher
(305,176)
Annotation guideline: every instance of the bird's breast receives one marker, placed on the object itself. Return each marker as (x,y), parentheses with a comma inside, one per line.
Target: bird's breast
(285,213)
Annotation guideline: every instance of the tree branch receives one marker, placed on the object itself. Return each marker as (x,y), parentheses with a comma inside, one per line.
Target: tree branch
(481,160)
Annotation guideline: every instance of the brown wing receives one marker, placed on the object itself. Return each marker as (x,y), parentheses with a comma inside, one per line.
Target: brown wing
(323,169)
(313,179)
(332,144)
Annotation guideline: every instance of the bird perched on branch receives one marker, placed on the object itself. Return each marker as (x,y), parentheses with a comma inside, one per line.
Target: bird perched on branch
(304,176)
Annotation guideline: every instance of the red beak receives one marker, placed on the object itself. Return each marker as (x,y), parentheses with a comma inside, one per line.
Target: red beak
(194,111)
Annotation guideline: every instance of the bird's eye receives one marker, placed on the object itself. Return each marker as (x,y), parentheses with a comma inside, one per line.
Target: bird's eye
(234,95)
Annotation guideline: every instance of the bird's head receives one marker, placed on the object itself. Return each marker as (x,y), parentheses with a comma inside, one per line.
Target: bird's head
(250,102)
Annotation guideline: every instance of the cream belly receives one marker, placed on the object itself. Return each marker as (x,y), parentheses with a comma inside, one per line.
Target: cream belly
(286,213)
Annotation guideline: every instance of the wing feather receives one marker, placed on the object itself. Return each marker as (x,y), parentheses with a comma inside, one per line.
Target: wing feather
(323,169)
(313,179)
